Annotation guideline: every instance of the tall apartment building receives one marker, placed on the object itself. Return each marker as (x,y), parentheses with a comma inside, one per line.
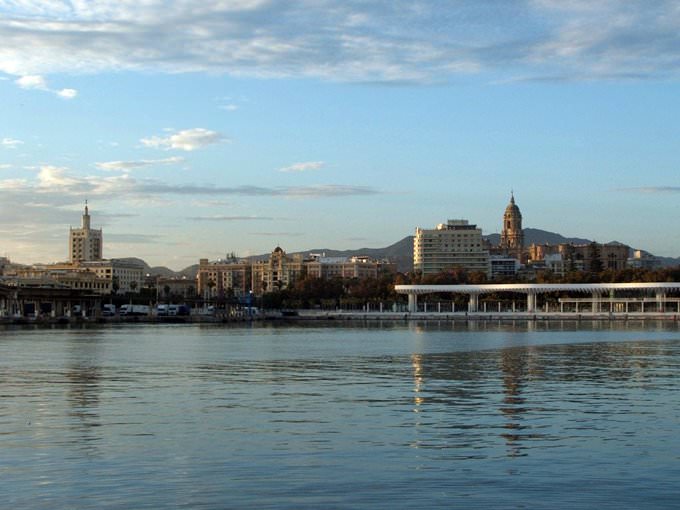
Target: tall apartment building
(455,244)
(223,277)
(277,272)
(85,243)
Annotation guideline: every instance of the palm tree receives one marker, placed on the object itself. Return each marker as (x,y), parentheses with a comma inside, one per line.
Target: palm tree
(133,286)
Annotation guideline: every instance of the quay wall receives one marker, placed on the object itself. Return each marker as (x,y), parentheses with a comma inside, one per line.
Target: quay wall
(316,315)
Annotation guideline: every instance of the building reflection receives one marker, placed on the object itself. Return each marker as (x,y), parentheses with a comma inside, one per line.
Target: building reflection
(468,400)
(417,364)
(514,366)
(84,378)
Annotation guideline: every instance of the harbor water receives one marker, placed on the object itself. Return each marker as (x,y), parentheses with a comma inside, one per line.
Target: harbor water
(359,415)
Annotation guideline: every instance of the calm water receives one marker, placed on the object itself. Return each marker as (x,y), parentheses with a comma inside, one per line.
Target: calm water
(382,416)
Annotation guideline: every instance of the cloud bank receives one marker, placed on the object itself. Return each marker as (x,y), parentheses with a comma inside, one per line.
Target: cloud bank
(416,41)
(55,185)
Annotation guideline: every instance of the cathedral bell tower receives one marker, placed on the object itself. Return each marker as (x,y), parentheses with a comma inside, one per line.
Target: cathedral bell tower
(512,236)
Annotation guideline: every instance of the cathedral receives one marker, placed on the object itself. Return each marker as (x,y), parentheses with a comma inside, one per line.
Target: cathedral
(512,236)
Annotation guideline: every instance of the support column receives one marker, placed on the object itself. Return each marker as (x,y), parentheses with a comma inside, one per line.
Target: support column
(473,304)
(412,303)
(660,301)
(531,302)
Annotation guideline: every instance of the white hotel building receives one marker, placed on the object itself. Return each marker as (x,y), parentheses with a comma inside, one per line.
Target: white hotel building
(455,244)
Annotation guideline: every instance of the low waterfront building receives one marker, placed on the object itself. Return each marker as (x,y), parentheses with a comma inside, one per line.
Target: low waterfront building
(175,288)
(66,275)
(455,244)
(125,275)
(360,267)
(583,257)
(36,297)
(503,267)
(101,277)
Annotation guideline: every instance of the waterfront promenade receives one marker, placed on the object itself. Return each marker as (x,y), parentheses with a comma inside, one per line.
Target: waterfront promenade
(354,315)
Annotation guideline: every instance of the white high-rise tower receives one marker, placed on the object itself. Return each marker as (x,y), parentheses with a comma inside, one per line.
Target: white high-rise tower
(85,243)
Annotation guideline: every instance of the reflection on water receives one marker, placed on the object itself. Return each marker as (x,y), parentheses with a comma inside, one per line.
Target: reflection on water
(360,416)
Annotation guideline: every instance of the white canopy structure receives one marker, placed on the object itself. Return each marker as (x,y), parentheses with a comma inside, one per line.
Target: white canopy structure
(659,289)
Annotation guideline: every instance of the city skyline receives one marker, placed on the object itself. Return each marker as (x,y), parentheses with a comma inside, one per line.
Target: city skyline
(239,126)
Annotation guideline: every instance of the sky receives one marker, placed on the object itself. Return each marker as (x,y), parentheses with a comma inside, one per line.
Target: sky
(197,129)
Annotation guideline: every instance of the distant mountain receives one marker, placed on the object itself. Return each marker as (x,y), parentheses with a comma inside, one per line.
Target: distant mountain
(400,252)
(669,261)
(154,271)
(189,272)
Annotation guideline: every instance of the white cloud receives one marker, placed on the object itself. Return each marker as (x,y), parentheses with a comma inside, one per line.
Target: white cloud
(10,143)
(67,93)
(32,82)
(37,82)
(54,177)
(131,165)
(303,167)
(382,40)
(186,140)
(5,166)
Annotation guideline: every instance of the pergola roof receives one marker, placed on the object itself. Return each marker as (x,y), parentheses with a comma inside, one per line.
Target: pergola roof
(538,288)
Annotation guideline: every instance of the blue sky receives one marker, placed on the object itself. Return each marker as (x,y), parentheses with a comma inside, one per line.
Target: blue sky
(196,129)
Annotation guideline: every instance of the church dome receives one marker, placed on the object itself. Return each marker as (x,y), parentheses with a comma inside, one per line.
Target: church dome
(512,209)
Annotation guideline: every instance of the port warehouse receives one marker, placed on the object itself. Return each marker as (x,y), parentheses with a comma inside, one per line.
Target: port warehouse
(55,300)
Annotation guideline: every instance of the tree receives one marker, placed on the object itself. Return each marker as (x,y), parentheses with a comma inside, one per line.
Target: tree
(596,266)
